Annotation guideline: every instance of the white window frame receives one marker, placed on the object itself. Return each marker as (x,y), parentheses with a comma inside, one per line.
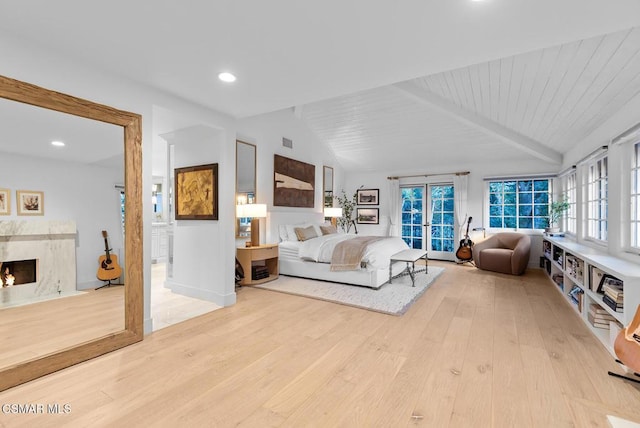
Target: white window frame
(596,203)
(569,186)
(487,203)
(633,225)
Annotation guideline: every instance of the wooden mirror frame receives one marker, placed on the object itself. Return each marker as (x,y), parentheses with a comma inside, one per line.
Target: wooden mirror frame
(19,373)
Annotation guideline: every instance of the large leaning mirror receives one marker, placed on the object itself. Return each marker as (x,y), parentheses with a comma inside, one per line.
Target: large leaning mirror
(327,186)
(245,183)
(42,204)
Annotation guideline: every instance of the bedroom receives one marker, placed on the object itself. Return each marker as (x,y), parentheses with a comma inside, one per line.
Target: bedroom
(96,81)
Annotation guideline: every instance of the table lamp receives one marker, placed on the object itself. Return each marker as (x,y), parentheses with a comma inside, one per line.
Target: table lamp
(333,213)
(255,212)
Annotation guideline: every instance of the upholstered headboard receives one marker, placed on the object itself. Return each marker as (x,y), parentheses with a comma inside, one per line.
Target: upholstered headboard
(277,218)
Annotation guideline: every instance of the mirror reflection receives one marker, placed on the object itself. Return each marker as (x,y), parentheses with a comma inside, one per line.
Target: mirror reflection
(61,229)
(327,186)
(245,183)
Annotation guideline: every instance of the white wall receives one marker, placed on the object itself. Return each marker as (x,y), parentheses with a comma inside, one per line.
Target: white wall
(52,70)
(266,132)
(72,191)
(199,244)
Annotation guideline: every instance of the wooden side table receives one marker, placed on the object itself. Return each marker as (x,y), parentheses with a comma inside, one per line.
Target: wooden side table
(261,255)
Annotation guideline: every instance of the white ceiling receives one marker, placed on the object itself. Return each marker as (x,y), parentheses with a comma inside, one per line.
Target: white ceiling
(507,76)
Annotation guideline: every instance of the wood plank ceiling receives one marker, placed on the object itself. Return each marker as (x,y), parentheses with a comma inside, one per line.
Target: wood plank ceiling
(532,106)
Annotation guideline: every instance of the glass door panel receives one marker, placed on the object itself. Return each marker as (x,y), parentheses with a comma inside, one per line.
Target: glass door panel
(441,238)
(412,216)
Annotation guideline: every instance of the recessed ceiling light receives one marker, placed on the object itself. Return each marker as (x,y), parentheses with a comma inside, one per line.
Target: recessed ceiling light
(57,143)
(227,77)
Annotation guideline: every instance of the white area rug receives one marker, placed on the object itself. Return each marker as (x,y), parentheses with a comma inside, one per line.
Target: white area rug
(394,298)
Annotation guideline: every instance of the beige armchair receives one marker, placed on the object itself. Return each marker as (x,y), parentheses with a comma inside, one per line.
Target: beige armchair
(506,252)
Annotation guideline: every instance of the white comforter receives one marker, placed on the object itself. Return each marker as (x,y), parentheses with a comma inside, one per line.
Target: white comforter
(376,256)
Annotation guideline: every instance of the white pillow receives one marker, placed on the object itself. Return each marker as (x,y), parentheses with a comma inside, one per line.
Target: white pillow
(282,232)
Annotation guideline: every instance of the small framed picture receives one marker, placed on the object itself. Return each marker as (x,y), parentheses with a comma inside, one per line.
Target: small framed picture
(30,202)
(367,216)
(368,196)
(5,202)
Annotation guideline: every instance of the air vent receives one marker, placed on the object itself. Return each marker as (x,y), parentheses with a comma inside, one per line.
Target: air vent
(287,142)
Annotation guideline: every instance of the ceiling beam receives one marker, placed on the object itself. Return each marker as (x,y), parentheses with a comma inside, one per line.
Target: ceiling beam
(488,126)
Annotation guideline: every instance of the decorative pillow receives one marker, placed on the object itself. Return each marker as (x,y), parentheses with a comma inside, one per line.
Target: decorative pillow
(328,229)
(304,233)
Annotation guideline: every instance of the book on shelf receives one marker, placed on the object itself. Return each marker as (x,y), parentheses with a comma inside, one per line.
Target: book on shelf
(595,278)
(597,322)
(618,307)
(259,272)
(615,292)
(576,294)
(600,313)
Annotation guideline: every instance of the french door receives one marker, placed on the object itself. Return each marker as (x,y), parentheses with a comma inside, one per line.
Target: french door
(428,220)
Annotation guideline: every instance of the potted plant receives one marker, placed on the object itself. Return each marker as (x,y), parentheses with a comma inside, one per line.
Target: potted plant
(556,211)
(348,206)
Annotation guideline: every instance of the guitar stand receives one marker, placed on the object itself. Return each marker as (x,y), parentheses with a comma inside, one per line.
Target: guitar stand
(461,262)
(108,284)
(610,373)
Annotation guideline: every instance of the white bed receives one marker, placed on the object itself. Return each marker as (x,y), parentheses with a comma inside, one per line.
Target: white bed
(311,258)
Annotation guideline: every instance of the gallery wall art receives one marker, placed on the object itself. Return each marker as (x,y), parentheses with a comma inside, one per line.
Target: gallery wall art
(30,202)
(294,183)
(5,202)
(197,192)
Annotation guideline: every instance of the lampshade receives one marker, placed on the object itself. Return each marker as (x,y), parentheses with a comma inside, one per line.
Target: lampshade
(333,212)
(251,210)
(255,211)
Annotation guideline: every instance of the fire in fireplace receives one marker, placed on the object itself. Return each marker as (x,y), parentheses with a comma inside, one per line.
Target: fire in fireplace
(18,272)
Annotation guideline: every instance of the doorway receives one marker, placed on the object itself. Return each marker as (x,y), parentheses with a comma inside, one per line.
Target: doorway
(428,219)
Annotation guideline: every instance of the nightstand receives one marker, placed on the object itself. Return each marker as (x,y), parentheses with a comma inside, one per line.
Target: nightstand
(261,255)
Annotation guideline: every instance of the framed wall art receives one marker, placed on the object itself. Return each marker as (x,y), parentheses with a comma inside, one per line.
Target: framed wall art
(368,196)
(5,202)
(293,184)
(368,216)
(196,192)
(30,202)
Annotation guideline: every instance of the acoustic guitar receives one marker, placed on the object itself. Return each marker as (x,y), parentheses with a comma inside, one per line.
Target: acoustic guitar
(464,251)
(108,267)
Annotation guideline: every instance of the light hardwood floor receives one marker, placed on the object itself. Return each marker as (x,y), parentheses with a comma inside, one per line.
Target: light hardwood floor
(38,329)
(477,350)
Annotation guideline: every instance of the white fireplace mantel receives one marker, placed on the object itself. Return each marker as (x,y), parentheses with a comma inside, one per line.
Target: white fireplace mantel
(52,244)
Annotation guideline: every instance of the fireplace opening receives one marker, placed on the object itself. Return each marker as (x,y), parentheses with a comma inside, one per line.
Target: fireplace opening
(18,272)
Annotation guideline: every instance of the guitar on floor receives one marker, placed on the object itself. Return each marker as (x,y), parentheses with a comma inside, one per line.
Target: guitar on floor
(465,252)
(108,267)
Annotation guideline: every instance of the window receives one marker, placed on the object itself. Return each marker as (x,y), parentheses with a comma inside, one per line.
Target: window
(519,204)
(635,198)
(569,192)
(597,199)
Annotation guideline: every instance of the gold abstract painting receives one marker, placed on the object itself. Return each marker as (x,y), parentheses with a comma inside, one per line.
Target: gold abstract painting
(197,192)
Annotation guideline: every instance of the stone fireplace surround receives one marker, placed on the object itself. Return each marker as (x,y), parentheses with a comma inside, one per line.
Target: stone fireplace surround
(53,245)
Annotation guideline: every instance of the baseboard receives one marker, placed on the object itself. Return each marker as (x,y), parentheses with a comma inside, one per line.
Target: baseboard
(198,293)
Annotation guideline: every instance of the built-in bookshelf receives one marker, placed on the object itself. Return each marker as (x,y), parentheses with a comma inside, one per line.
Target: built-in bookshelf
(604,290)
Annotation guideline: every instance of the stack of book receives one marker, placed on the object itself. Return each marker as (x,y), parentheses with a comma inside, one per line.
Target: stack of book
(613,296)
(599,317)
(259,272)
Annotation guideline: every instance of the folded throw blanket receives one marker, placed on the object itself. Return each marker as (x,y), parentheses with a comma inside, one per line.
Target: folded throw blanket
(348,254)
